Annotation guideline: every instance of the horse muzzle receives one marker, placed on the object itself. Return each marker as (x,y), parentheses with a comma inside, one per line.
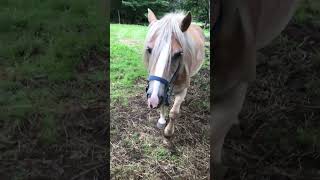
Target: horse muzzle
(157,98)
(155,102)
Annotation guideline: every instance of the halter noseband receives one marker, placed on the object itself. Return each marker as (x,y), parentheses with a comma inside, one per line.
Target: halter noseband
(168,89)
(156,78)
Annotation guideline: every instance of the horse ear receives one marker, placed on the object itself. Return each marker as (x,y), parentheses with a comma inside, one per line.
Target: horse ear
(151,16)
(186,22)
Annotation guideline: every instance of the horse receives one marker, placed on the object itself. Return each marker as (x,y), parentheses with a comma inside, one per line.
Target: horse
(173,53)
(242,27)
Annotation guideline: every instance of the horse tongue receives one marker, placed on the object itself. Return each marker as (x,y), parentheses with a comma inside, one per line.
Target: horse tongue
(153,101)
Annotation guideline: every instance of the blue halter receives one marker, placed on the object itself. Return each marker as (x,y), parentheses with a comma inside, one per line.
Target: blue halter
(156,78)
(168,89)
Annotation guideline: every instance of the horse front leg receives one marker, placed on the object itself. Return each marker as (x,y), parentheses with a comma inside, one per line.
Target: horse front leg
(161,124)
(174,112)
(224,114)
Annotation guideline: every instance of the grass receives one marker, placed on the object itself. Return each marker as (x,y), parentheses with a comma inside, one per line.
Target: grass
(46,51)
(126,64)
(53,91)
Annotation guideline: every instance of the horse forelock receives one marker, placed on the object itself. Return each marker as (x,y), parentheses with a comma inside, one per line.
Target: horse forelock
(164,30)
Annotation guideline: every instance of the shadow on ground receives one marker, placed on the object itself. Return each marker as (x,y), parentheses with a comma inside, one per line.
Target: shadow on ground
(280,124)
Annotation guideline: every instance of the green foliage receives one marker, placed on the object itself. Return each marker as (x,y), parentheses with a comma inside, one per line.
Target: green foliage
(199,9)
(308,12)
(134,11)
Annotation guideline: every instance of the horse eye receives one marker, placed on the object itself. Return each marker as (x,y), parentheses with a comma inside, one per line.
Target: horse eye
(149,50)
(177,55)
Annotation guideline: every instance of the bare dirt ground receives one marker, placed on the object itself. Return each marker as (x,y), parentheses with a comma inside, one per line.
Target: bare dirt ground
(280,122)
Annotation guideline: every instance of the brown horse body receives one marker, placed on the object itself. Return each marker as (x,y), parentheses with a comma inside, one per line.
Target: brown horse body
(173,46)
(246,26)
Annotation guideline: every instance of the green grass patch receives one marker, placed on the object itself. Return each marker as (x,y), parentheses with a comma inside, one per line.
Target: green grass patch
(47,39)
(126,59)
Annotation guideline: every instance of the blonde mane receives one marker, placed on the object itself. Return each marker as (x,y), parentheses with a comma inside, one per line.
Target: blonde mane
(164,29)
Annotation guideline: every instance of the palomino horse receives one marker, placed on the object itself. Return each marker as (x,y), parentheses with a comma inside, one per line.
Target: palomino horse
(174,52)
(244,26)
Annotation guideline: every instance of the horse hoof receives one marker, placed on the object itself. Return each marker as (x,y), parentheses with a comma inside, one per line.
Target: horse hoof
(168,133)
(167,143)
(161,125)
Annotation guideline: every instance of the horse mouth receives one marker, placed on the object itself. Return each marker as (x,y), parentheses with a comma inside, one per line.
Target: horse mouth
(152,106)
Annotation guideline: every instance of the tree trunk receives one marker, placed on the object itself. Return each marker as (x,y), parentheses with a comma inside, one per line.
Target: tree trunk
(119,17)
(209,9)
